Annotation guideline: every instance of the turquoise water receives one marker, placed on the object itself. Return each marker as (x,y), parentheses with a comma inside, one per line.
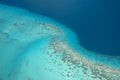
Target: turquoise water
(96,22)
(35,47)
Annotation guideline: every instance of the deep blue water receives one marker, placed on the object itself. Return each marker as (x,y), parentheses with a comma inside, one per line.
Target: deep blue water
(96,22)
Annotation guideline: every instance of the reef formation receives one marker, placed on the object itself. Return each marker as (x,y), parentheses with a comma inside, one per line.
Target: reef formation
(35,47)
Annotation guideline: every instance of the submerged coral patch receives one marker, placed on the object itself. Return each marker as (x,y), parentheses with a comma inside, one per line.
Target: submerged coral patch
(35,47)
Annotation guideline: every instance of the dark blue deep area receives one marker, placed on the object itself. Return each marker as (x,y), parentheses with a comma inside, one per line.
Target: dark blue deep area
(97,22)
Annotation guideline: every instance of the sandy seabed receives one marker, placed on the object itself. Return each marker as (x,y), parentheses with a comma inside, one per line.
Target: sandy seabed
(35,47)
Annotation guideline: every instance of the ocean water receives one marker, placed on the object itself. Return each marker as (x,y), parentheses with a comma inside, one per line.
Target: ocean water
(37,47)
(97,23)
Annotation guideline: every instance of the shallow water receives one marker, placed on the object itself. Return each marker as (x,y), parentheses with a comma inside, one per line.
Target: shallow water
(97,23)
(35,47)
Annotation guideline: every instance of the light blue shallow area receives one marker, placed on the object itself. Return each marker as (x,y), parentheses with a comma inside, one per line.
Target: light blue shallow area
(35,47)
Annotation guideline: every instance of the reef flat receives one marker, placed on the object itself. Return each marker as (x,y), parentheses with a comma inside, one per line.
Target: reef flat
(35,47)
